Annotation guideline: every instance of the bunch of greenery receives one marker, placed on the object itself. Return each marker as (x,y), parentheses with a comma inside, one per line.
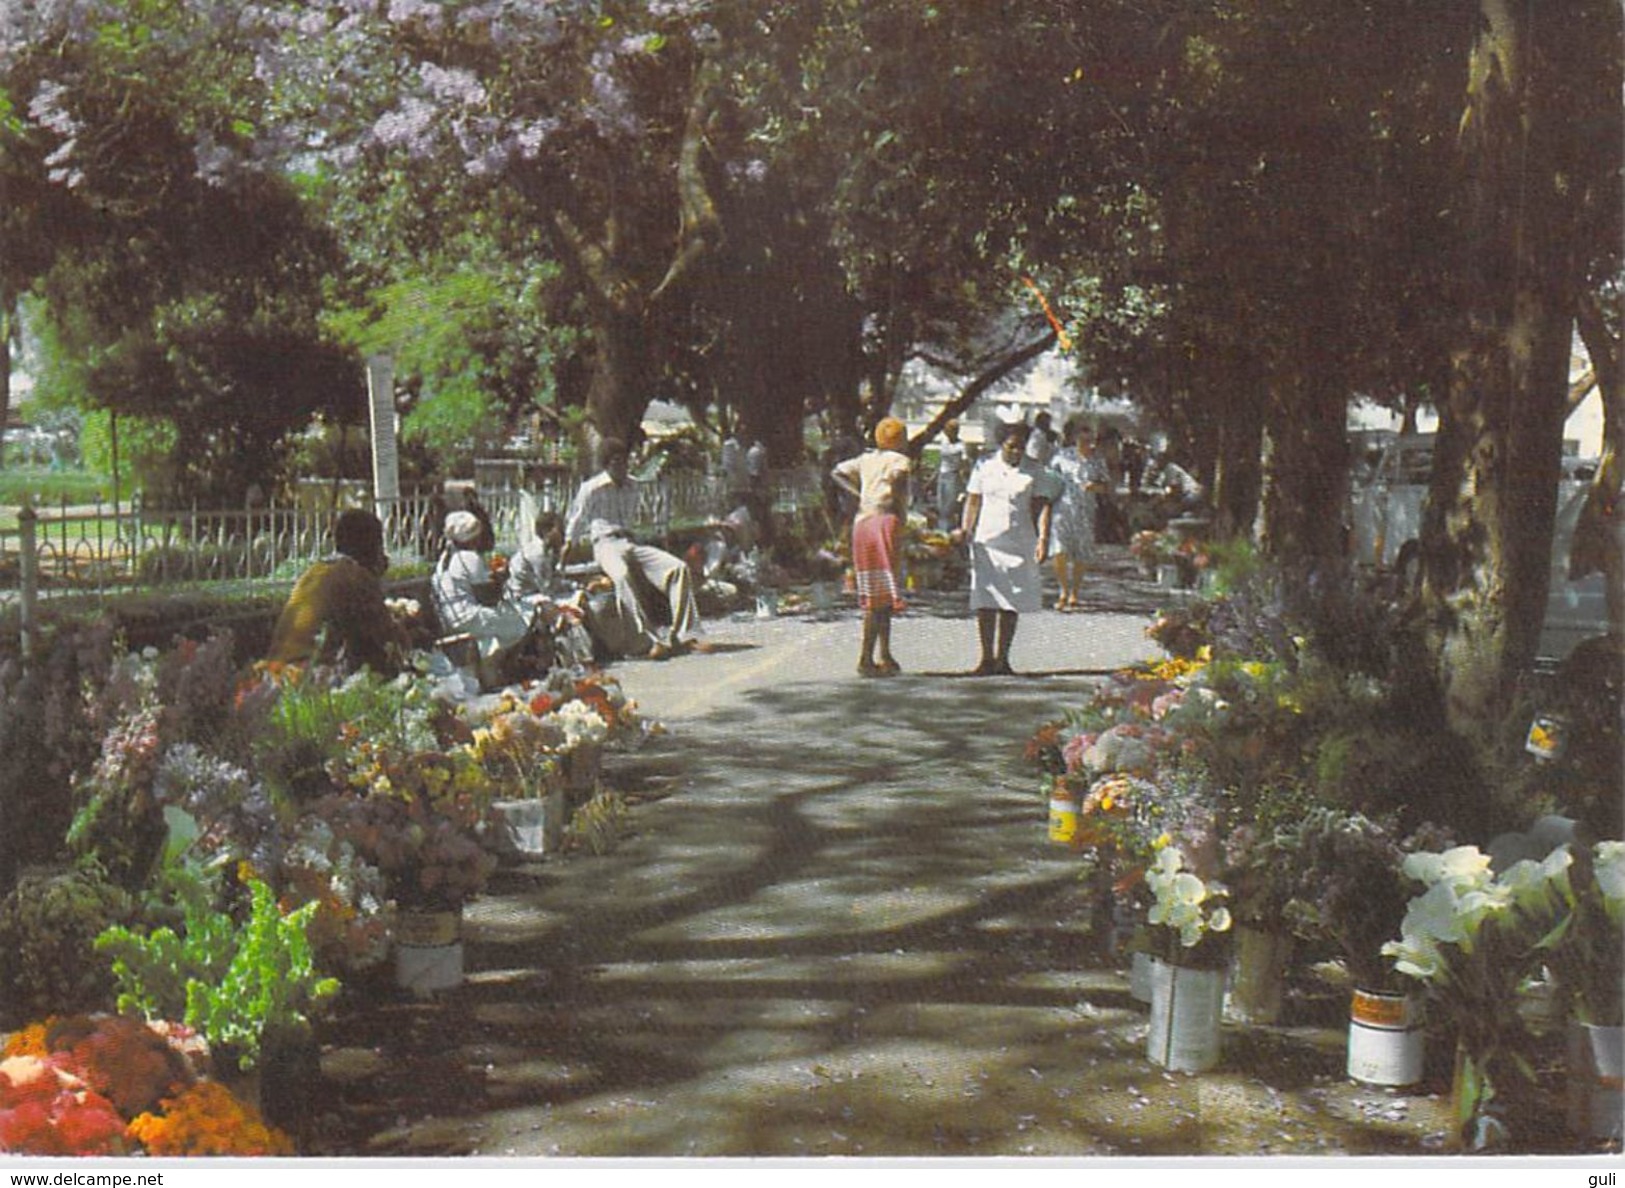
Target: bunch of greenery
(308,726)
(601,823)
(239,982)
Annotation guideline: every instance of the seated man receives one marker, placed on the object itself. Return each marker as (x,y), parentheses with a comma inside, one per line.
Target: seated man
(603,511)
(336,612)
(535,571)
(545,590)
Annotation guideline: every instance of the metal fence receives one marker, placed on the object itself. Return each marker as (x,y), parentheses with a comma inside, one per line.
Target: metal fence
(122,548)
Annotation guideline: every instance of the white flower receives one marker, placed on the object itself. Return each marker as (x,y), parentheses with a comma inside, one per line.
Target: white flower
(1462,864)
(1529,882)
(1434,916)
(1609,861)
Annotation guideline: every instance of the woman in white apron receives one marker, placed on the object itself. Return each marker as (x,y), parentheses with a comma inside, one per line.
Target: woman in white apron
(1007,521)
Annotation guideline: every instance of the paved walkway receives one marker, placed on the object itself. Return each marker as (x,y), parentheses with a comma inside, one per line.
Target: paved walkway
(838,929)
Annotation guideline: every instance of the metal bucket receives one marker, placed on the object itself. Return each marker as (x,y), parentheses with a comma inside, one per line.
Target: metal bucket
(1385,1038)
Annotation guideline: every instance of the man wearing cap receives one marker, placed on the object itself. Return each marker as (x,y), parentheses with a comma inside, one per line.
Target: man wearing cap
(336,612)
(603,510)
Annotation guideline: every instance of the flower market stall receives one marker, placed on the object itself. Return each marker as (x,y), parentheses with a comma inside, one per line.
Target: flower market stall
(1268,799)
(249,848)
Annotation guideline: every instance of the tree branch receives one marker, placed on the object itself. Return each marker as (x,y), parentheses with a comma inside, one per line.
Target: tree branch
(699,227)
(973,391)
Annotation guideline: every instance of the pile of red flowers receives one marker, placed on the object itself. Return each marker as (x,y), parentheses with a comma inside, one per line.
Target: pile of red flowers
(107,1084)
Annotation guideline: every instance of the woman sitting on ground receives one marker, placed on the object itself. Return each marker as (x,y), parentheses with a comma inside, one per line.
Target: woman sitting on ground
(468,600)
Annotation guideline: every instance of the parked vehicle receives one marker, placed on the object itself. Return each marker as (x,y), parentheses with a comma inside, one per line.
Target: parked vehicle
(1389,482)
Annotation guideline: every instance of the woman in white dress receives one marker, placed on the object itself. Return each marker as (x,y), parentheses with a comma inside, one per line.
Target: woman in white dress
(1007,521)
(1083,475)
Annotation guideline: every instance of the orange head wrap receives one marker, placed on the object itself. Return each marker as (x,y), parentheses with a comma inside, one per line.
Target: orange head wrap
(891,434)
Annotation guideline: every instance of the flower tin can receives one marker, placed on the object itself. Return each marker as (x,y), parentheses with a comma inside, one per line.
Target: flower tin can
(1187,1008)
(1548,737)
(1385,1038)
(1065,807)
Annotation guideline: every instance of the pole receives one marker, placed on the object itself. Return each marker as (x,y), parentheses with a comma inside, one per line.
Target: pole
(29,571)
(386,478)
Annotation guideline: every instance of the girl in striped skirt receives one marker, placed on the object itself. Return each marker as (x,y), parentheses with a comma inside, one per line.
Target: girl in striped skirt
(879,478)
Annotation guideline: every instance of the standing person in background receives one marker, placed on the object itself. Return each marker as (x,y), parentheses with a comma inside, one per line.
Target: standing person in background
(603,512)
(1084,478)
(879,478)
(1007,521)
(760,502)
(735,478)
(1041,440)
(950,477)
(336,612)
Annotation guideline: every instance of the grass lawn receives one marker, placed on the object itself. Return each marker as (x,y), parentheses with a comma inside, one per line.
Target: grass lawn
(47,487)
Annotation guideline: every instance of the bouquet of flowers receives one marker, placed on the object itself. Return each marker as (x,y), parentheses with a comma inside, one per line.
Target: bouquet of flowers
(1349,890)
(1150,548)
(1587,952)
(1472,939)
(111,1085)
(1189,916)
(427,850)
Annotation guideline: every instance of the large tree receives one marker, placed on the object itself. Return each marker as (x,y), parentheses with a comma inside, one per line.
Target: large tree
(1538,153)
(188,288)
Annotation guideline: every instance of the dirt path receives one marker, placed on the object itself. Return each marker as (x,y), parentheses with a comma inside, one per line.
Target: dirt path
(839,929)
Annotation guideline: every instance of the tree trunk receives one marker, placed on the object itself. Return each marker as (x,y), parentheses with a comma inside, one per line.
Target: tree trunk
(6,324)
(1486,537)
(1307,492)
(1238,473)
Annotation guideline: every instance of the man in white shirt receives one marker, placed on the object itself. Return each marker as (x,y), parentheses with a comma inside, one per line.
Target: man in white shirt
(735,478)
(603,510)
(950,477)
(1041,441)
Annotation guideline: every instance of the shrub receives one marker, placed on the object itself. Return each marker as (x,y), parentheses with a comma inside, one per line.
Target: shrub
(47,926)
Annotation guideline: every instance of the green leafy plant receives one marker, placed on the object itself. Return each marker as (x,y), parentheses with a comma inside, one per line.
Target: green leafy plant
(239,983)
(601,822)
(1587,949)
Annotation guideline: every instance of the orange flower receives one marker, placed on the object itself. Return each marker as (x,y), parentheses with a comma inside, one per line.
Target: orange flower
(30,1041)
(208,1119)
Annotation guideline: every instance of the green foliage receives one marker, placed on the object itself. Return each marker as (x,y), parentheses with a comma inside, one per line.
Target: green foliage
(47,926)
(469,346)
(19,484)
(237,983)
(601,823)
(144,447)
(306,733)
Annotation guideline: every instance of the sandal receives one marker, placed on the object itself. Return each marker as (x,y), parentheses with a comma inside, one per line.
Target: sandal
(889,668)
(868,669)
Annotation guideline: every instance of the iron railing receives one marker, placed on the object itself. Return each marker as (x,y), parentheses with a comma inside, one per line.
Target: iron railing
(105,549)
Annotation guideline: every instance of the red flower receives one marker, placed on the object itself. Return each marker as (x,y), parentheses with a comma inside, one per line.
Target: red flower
(542,703)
